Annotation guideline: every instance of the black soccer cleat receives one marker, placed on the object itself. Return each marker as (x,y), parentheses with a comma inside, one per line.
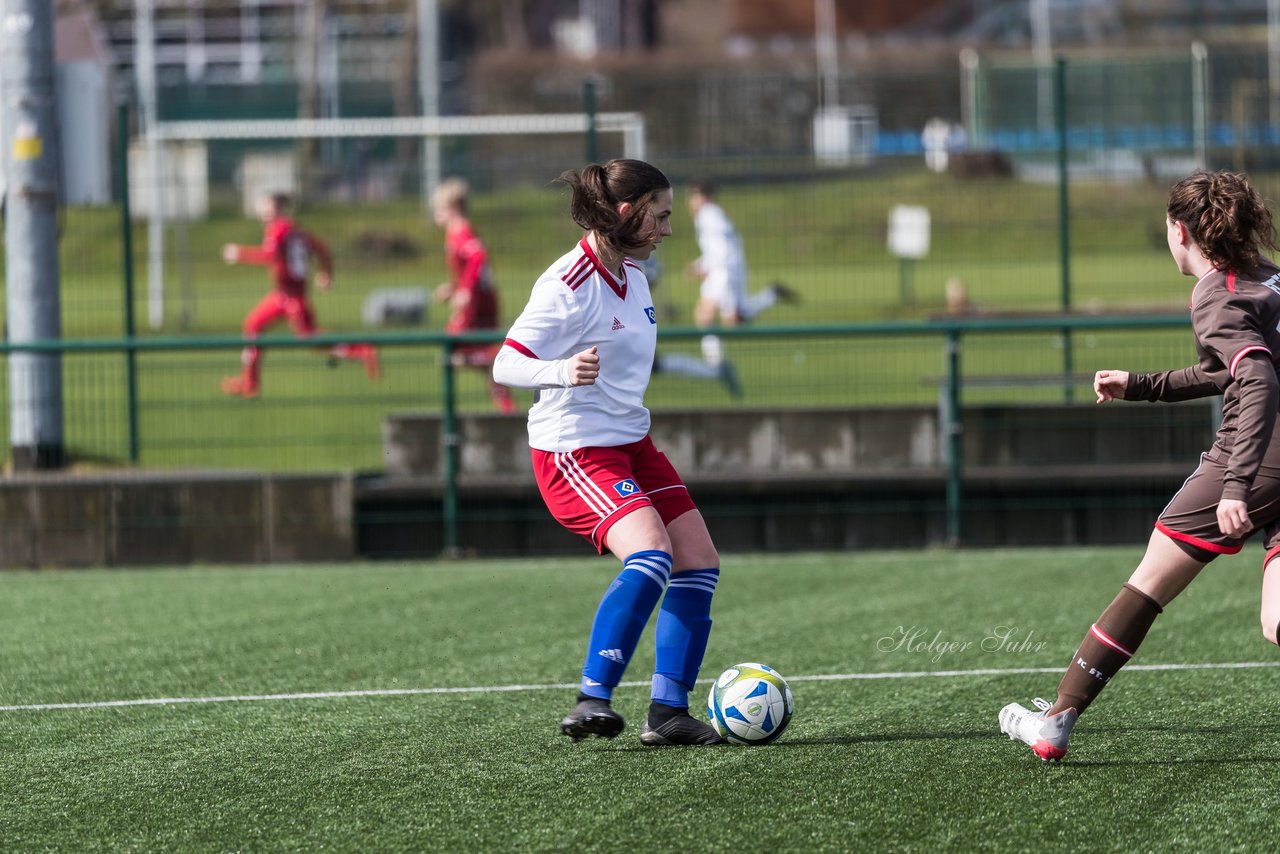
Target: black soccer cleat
(592,716)
(729,377)
(785,294)
(679,729)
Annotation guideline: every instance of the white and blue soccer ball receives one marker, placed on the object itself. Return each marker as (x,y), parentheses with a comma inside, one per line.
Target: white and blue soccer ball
(750,704)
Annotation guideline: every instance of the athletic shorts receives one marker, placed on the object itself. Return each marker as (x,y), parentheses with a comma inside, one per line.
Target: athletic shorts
(589,489)
(727,288)
(277,306)
(1191,517)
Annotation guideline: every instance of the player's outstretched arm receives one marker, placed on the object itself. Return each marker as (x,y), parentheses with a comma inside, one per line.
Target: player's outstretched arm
(236,253)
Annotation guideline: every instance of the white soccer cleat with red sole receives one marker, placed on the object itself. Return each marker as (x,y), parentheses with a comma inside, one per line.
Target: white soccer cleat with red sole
(1047,736)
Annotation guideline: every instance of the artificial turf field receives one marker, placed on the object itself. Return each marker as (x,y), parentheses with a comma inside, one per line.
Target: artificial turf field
(894,746)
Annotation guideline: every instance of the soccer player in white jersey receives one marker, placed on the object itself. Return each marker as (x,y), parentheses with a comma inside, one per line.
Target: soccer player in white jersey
(722,271)
(586,342)
(685,364)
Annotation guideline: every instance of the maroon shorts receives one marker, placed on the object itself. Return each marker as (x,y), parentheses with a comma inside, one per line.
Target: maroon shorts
(589,489)
(1191,517)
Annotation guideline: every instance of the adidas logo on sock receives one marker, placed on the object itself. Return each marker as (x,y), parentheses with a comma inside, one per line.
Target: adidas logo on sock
(613,655)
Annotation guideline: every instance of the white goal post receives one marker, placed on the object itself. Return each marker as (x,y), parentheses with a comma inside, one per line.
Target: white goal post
(630,125)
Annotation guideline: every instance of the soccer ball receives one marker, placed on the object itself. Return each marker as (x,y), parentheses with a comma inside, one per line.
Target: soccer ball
(750,704)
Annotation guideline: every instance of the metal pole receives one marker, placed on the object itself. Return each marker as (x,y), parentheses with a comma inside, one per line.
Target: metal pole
(250,41)
(144,65)
(328,89)
(126,244)
(1042,47)
(1199,102)
(450,440)
(633,140)
(824,21)
(906,278)
(1064,215)
(30,141)
(969,106)
(589,107)
(1273,61)
(429,91)
(954,427)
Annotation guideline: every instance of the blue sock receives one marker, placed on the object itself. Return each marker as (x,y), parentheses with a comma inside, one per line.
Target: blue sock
(620,619)
(684,624)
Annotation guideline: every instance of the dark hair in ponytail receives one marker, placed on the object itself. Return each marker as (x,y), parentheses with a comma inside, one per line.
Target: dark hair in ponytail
(597,192)
(1225,216)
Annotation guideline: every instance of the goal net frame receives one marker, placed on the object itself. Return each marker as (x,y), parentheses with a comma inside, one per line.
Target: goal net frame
(431,129)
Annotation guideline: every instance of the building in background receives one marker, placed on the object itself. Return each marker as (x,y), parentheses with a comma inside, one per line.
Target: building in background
(713,78)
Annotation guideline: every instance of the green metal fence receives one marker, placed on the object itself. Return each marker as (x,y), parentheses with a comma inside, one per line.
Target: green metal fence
(323,420)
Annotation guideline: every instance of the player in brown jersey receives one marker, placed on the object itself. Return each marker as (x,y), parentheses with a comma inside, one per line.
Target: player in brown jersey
(1215,225)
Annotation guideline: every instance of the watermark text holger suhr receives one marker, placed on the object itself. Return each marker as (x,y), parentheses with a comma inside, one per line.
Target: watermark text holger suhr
(920,640)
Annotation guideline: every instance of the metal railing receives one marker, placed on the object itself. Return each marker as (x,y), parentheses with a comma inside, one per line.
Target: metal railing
(951,333)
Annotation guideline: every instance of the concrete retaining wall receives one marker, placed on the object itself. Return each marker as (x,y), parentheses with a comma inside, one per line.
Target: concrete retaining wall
(765,480)
(699,443)
(136,519)
(819,478)
(839,443)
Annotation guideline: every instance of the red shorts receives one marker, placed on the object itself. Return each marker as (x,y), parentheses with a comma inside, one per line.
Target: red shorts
(276,306)
(590,489)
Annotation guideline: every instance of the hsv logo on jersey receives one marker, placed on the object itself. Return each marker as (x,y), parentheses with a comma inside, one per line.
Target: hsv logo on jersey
(651,314)
(617,324)
(626,488)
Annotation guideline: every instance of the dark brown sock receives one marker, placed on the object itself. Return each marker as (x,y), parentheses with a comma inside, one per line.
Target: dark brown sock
(1109,643)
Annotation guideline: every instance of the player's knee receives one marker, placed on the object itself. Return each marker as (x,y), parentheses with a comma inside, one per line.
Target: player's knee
(702,556)
(1270,615)
(1270,626)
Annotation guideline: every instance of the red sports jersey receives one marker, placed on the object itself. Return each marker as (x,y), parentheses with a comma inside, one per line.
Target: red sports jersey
(469,271)
(287,250)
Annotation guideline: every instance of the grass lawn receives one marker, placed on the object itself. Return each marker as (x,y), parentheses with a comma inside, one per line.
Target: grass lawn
(1166,760)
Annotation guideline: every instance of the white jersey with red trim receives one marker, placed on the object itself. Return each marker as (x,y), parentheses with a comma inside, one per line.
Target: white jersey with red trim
(577,304)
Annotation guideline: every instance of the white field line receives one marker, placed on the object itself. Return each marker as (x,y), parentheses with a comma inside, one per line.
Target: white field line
(565,686)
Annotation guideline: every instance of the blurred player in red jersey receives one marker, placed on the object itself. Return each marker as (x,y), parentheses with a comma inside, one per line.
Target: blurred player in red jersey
(469,292)
(287,249)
